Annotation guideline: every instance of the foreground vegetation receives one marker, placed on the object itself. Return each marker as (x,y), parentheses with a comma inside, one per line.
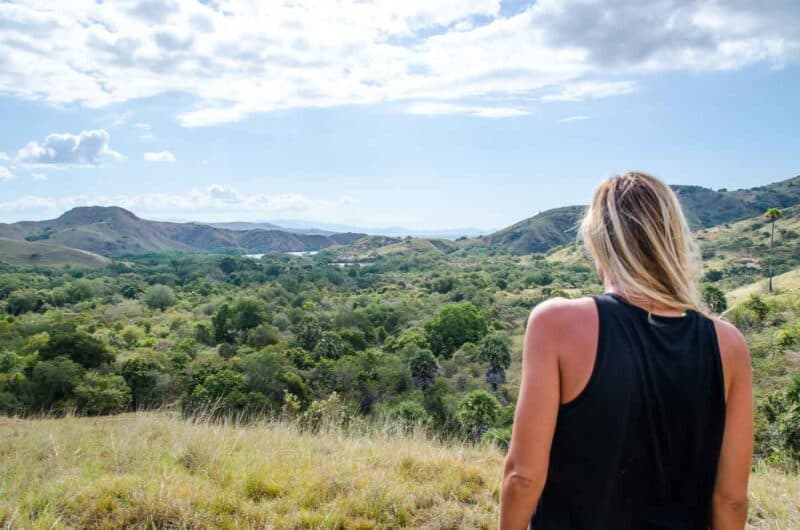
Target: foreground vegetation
(155,470)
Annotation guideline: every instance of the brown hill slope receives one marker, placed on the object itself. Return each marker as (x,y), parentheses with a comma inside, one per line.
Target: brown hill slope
(114,230)
(47,255)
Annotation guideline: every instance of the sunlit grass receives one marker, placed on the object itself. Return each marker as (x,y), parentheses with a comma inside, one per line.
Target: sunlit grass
(154,470)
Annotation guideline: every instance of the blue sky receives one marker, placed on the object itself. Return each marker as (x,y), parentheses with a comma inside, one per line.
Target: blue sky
(469,113)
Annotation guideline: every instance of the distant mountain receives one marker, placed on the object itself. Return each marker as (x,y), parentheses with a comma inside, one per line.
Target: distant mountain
(703,208)
(243,226)
(389,231)
(113,230)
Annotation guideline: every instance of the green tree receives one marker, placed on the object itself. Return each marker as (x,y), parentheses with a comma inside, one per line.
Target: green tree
(715,298)
(307,332)
(228,265)
(772,215)
(142,377)
(53,382)
(102,394)
(454,325)
(222,322)
(248,313)
(423,369)
(159,297)
(477,412)
(329,346)
(494,349)
(79,347)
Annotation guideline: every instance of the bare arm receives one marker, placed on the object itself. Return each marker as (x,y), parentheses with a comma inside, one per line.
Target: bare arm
(729,506)
(535,419)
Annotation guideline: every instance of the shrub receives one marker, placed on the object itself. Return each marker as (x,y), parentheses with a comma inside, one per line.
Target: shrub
(409,413)
(131,335)
(329,346)
(423,369)
(143,375)
(262,335)
(715,298)
(159,297)
(409,337)
(477,412)
(102,394)
(53,382)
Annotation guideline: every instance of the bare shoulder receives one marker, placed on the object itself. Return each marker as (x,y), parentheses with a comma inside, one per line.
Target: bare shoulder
(562,319)
(732,344)
(734,352)
(563,311)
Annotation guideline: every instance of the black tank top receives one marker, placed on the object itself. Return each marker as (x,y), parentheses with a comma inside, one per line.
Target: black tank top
(638,448)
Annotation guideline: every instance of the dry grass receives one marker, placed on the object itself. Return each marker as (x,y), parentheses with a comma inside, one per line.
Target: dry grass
(153,470)
(786,285)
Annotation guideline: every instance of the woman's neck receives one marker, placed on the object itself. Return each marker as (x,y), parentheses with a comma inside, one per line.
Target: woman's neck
(647,305)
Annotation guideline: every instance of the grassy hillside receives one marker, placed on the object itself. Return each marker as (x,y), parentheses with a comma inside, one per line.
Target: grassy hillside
(539,233)
(47,255)
(784,285)
(153,470)
(739,250)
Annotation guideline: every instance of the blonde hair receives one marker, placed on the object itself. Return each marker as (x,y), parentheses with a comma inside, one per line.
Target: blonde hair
(638,236)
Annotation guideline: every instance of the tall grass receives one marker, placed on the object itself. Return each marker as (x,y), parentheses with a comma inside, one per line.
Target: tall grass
(155,470)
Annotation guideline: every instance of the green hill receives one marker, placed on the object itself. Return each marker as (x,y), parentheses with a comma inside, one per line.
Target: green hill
(703,208)
(540,233)
(47,255)
(113,230)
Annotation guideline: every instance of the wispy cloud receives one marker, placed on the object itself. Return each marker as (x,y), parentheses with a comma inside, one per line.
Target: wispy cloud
(5,174)
(238,58)
(569,119)
(219,200)
(159,156)
(430,108)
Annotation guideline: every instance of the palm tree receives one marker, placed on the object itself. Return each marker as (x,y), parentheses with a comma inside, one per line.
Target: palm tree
(772,215)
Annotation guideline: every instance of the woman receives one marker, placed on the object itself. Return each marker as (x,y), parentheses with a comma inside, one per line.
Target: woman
(635,409)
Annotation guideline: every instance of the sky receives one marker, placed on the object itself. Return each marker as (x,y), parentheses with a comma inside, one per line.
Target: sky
(426,114)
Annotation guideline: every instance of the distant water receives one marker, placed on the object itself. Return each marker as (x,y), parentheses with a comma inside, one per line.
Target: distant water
(298,253)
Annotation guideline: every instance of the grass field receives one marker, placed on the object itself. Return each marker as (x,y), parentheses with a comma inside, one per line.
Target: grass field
(154,470)
(47,255)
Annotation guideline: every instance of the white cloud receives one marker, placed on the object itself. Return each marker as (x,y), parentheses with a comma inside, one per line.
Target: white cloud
(429,108)
(237,57)
(5,174)
(216,200)
(88,148)
(590,90)
(3,156)
(159,156)
(39,176)
(569,119)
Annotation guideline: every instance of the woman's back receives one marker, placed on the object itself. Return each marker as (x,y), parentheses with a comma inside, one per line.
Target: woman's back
(638,447)
(628,420)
